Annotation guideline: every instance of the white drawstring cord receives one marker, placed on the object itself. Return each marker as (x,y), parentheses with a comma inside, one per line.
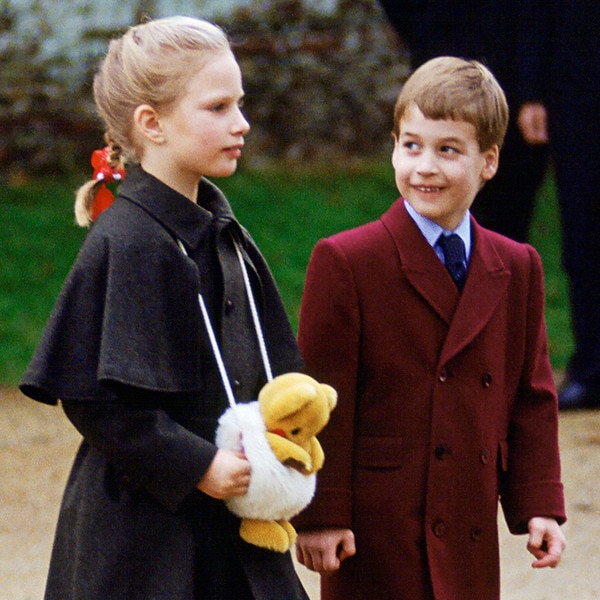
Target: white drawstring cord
(255,318)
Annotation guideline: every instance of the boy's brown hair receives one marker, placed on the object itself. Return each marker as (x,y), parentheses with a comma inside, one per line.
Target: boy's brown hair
(462,90)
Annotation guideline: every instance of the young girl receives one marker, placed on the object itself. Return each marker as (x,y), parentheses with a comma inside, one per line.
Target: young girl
(126,349)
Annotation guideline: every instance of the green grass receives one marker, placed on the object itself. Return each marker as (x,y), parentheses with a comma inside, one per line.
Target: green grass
(546,237)
(39,242)
(286,213)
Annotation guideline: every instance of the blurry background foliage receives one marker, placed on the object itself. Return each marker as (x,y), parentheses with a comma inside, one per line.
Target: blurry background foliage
(320,77)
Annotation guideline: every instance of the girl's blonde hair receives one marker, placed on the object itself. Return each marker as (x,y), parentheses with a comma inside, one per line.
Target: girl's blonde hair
(462,90)
(150,64)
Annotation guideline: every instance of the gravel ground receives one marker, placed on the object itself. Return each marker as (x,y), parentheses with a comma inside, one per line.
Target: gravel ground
(37,445)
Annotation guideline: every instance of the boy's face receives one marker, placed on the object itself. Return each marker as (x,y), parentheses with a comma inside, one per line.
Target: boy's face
(439,166)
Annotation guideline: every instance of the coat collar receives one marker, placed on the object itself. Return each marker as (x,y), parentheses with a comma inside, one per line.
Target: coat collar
(466,314)
(185,220)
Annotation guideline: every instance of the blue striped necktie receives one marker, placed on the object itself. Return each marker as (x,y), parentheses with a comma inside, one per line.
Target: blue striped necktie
(454,257)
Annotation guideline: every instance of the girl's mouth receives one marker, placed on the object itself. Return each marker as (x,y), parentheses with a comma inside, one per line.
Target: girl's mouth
(234,151)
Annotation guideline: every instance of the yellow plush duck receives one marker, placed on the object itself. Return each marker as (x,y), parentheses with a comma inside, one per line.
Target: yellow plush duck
(277,434)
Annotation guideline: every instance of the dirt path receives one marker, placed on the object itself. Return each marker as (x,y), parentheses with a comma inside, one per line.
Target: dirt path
(37,445)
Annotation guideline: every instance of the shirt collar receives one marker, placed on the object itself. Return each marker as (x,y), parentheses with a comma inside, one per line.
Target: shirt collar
(432,231)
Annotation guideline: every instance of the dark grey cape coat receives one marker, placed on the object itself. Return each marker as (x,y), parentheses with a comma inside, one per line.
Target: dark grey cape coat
(127,354)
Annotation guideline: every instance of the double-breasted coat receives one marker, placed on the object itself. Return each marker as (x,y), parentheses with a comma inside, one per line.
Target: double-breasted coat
(446,405)
(126,352)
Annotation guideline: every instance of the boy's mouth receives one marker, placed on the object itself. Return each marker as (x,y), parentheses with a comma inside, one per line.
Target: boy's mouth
(427,188)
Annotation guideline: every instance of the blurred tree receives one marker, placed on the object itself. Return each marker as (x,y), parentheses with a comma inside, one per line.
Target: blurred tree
(320,83)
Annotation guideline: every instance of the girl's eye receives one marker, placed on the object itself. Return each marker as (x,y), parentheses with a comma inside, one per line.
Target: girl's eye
(411,146)
(218,107)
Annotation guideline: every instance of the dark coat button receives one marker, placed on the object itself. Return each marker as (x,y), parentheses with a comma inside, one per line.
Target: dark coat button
(486,379)
(484,456)
(441,451)
(439,529)
(475,533)
(443,376)
(237,384)
(228,306)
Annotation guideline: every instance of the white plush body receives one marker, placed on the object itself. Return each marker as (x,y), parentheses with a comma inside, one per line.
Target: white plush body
(276,492)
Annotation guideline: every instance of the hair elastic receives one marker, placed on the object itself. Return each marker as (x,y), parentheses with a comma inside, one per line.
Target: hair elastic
(107,174)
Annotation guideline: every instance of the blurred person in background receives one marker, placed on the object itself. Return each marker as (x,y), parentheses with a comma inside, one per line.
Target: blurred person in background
(563,68)
(482,31)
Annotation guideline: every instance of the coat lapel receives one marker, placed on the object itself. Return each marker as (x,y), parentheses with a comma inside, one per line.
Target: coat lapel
(419,262)
(465,314)
(484,289)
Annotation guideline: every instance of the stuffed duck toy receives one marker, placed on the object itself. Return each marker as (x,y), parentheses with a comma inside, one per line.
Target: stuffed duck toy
(277,435)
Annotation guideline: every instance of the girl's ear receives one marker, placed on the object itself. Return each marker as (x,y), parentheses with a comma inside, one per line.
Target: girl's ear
(147,124)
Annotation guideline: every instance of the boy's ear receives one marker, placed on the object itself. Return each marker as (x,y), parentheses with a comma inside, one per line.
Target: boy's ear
(147,123)
(395,149)
(491,157)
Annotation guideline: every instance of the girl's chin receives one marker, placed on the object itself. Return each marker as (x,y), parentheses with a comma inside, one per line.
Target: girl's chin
(224,171)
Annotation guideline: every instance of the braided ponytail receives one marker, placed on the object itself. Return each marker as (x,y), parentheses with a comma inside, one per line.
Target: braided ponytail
(93,196)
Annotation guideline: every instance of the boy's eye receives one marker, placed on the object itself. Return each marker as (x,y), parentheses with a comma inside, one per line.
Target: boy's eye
(449,150)
(218,107)
(411,146)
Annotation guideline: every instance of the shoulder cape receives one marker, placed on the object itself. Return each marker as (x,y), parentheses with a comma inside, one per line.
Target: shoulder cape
(128,311)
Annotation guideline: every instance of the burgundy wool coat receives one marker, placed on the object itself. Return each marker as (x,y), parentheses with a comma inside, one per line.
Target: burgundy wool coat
(447,406)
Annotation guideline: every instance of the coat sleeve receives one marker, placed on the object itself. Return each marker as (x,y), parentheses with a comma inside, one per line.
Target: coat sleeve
(401,16)
(329,332)
(533,45)
(532,484)
(147,448)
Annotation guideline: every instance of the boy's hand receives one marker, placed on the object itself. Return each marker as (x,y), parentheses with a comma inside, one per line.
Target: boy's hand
(324,550)
(227,476)
(546,542)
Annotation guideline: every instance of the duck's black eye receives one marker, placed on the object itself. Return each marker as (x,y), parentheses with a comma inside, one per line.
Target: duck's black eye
(296,431)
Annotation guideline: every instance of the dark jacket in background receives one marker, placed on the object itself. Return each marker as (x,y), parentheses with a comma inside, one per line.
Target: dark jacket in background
(494,33)
(565,67)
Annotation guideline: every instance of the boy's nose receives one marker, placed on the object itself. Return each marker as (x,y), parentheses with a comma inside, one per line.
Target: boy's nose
(427,163)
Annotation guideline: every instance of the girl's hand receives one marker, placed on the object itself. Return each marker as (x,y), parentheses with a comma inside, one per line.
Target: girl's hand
(228,476)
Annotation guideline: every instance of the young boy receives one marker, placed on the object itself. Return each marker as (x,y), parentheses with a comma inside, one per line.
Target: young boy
(446,397)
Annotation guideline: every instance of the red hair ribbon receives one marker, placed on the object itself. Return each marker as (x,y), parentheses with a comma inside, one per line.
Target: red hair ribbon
(105,173)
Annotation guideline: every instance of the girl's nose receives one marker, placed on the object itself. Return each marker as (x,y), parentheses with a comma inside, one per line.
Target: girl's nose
(242,126)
